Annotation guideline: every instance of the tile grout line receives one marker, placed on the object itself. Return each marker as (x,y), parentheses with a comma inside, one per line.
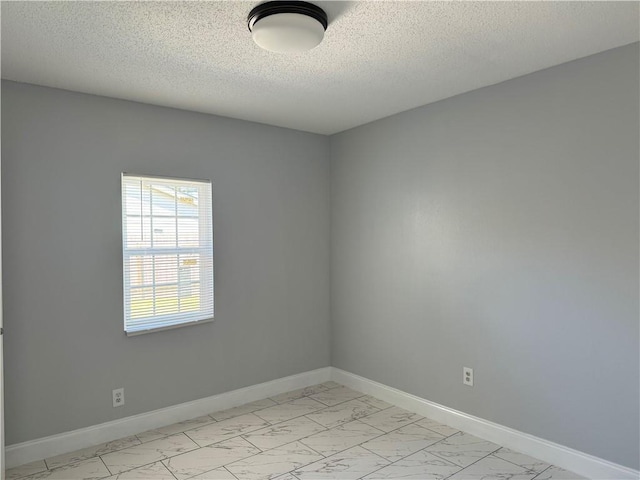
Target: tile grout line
(178,432)
(216,468)
(230,472)
(248,441)
(288,419)
(319,424)
(163,464)
(463,468)
(303,396)
(382,434)
(354,446)
(139,466)
(283,473)
(105,466)
(168,469)
(521,466)
(398,460)
(534,478)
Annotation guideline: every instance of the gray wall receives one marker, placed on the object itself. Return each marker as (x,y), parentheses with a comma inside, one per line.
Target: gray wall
(62,154)
(499,230)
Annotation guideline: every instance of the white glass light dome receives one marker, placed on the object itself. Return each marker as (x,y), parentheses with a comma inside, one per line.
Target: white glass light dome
(287,27)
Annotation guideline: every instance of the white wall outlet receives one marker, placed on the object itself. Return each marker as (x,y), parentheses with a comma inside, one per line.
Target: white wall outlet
(467,376)
(118,397)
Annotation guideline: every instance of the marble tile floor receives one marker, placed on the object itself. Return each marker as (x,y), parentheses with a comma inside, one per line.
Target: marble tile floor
(326,431)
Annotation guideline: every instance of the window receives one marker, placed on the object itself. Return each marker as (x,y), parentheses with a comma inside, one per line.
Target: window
(167,250)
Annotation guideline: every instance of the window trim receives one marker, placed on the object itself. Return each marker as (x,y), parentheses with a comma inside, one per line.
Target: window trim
(168,327)
(162,251)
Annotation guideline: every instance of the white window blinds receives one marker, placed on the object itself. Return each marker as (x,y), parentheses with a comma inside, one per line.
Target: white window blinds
(167,249)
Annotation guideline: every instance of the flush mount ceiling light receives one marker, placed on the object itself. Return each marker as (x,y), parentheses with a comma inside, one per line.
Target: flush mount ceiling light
(287,26)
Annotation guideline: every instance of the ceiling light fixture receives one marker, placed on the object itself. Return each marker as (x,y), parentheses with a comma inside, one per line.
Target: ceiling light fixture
(287,26)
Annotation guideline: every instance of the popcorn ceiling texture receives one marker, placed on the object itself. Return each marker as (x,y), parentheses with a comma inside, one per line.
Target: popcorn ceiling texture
(377,59)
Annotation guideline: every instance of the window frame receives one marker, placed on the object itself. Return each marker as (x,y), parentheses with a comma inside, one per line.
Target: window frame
(206,278)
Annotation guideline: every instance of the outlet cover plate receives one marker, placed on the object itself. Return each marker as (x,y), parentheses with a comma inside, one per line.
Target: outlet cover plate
(467,376)
(118,397)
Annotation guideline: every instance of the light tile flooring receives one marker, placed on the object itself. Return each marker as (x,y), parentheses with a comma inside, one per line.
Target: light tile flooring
(327,431)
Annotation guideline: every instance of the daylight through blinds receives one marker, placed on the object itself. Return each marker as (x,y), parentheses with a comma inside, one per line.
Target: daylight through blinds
(167,244)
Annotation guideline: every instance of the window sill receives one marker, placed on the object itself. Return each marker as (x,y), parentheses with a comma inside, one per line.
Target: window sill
(135,333)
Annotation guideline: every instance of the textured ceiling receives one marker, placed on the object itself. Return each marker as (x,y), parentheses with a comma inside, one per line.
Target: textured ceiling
(377,59)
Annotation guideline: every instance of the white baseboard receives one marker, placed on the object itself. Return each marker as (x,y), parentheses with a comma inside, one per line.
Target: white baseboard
(561,456)
(21,453)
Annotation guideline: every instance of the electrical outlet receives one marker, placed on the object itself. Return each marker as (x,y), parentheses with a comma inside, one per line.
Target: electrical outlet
(467,376)
(118,397)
